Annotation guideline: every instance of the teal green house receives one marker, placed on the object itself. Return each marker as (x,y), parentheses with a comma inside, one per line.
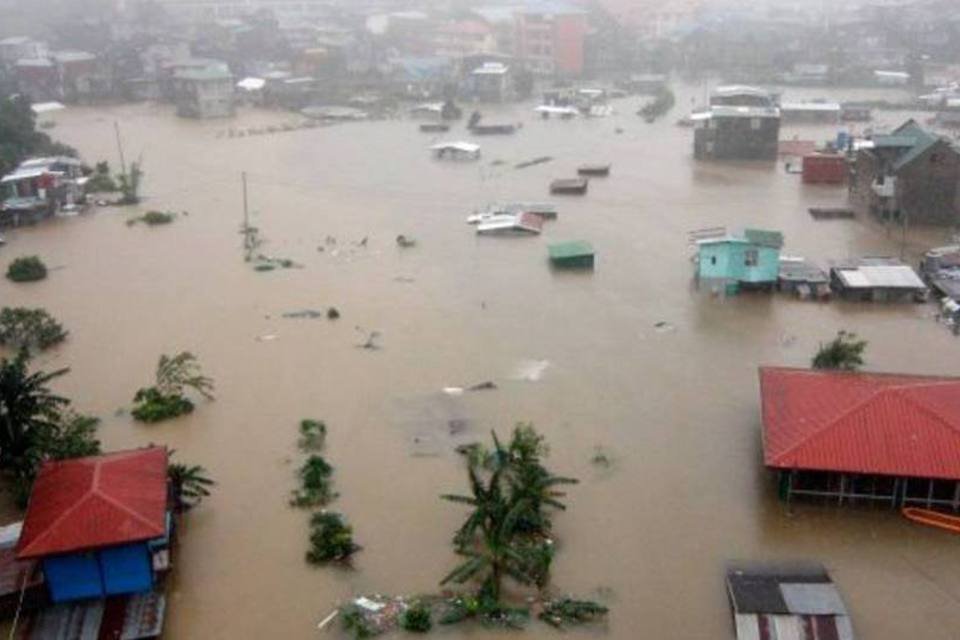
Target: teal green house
(740,261)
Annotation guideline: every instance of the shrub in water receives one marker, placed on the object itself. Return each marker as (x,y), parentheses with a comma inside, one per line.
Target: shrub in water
(316,487)
(312,435)
(154,406)
(416,619)
(27,269)
(31,328)
(331,538)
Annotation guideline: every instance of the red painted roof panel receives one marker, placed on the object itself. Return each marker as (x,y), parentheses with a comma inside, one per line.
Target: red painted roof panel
(94,502)
(888,424)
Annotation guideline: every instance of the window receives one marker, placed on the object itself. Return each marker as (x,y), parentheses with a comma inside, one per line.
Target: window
(713,260)
(751,257)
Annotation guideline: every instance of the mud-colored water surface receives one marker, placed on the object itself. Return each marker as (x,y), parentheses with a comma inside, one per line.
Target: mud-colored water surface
(579,354)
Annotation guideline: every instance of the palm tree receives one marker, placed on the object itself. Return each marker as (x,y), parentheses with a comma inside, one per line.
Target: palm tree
(844,353)
(27,408)
(531,482)
(190,485)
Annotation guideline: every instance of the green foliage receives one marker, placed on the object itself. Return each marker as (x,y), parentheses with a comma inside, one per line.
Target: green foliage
(27,408)
(30,328)
(313,433)
(567,611)
(660,105)
(316,484)
(27,269)
(486,609)
(190,484)
(100,180)
(506,533)
(417,618)
(153,218)
(844,353)
(151,405)
(331,538)
(355,623)
(129,184)
(19,138)
(180,372)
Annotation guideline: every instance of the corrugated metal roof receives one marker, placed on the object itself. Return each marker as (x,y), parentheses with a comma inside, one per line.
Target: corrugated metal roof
(888,424)
(880,276)
(86,503)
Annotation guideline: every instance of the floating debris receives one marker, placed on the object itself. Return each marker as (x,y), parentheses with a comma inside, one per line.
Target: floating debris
(601,458)
(333,314)
(371,341)
(534,162)
(664,327)
(311,314)
(267,337)
(530,370)
(568,611)
(404,242)
(483,386)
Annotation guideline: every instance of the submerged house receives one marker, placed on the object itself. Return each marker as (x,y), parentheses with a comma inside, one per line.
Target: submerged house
(39,187)
(877,279)
(730,262)
(204,92)
(911,174)
(100,526)
(741,123)
(862,437)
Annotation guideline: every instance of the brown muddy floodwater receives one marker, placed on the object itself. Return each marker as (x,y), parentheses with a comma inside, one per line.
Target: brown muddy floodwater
(678,409)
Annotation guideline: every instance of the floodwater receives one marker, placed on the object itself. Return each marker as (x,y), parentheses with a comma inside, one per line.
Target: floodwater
(578,354)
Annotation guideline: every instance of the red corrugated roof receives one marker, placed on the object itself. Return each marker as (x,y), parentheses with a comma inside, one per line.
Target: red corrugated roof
(888,424)
(95,502)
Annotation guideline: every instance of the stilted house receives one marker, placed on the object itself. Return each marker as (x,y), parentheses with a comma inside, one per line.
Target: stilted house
(100,526)
(910,174)
(862,437)
(730,262)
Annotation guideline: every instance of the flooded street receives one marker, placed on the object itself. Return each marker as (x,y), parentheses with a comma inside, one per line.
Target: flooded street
(676,406)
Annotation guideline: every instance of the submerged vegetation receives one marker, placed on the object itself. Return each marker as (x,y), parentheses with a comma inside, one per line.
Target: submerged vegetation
(316,484)
(128,184)
(153,218)
(19,138)
(189,484)
(100,180)
(659,106)
(21,327)
(166,398)
(36,424)
(27,269)
(313,435)
(331,538)
(843,353)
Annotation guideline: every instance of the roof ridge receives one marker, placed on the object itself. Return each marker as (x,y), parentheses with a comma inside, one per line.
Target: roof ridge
(49,528)
(925,408)
(119,505)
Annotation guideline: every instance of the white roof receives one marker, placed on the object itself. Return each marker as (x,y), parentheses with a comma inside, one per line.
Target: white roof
(251,84)
(491,68)
(547,108)
(810,106)
(22,174)
(885,276)
(433,107)
(466,147)
(44,107)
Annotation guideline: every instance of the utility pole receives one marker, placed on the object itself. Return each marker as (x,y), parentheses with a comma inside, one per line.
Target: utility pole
(123,163)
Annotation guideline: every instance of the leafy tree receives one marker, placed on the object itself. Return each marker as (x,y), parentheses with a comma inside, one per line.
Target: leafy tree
(844,353)
(316,484)
(72,435)
(190,485)
(416,618)
(27,408)
(166,398)
(19,138)
(30,328)
(27,269)
(331,538)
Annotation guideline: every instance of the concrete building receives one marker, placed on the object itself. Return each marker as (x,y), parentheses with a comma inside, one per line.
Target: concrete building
(463,38)
(550,38)
(491,82)
(20,48)
(911,174)
(204,93)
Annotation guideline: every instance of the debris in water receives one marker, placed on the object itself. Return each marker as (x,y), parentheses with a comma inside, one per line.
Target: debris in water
(530,370)
(371,341)
(269,337)
(453,391)
(333,314)
(483,386)
(664,327)
(404,279)
(457,425)
(362,243)
(535,161)
(311,314)
(404,242)
(601,458)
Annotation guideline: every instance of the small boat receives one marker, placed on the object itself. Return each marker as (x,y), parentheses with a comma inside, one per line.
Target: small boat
(593,170)
(933,519)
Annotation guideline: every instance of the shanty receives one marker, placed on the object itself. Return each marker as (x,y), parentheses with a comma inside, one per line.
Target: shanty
(878,279)
(786,601)
(862,437)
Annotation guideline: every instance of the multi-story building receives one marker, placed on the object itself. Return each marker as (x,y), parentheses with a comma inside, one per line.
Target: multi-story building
(550,38)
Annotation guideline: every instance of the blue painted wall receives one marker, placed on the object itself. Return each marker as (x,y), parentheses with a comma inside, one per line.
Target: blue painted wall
(111,571)
(727,259)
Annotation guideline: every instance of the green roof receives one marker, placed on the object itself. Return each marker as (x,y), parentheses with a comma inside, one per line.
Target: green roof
(886,142)
(565,250)
(206,73)
(920,148)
